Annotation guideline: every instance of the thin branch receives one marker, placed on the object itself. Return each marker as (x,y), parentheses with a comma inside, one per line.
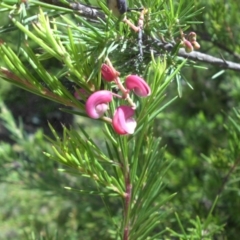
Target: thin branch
(82,9)
(206,37)
(86,11)
(200,57)
(127,205)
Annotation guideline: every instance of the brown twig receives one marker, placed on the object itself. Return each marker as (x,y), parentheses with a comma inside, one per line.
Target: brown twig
(82,9)
(206,37)
(127,206)
(198,56)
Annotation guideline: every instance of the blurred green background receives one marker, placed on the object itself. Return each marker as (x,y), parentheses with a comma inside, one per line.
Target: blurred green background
(200,130)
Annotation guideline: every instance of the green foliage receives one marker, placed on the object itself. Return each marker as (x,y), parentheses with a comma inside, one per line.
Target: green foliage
(34,203)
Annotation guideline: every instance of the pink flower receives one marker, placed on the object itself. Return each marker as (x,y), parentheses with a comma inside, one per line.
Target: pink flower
(138,85)
(123,123)
(97,103)
(109,73)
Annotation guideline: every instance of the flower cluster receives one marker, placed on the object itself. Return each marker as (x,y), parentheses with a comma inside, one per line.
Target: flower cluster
(190,42)
(97,103)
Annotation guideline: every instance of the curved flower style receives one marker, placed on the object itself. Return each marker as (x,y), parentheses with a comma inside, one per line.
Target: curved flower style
(97,103)
(108,72)
(139,86)
(123,123)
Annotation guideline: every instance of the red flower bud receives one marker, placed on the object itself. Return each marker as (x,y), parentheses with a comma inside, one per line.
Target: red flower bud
(109,73)
(188,46)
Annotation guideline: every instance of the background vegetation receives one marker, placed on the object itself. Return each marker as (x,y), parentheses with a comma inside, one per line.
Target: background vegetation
(201,132)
